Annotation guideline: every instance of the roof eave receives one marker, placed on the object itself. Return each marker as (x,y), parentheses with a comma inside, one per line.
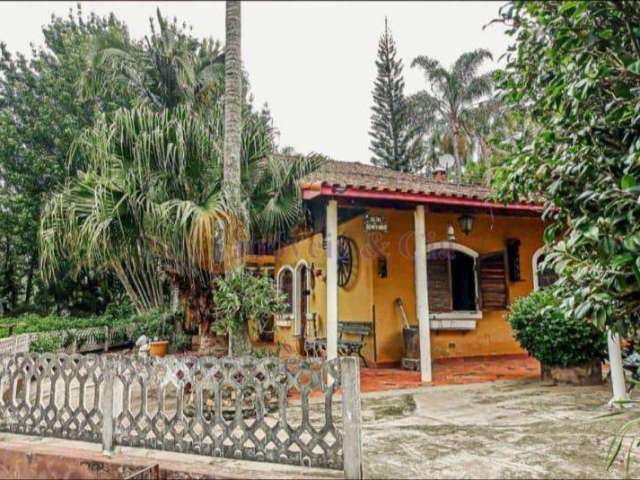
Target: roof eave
(314,190)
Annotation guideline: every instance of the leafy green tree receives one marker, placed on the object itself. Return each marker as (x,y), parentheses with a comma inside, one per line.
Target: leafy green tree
(149,204)
(572,76)
(240,297)
(395,143)
(168,68)
(452,97)
(40,115)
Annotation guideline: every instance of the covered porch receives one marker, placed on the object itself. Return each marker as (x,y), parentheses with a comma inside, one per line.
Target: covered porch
(452,371)
(387,251)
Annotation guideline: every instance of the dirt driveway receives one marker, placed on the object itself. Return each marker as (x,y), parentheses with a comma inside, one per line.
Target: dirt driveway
(504,429)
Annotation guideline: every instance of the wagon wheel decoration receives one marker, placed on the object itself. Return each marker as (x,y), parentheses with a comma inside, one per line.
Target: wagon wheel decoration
(347,260)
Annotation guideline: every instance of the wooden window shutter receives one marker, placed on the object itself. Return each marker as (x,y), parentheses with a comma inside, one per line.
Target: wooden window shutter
(492,277)
(439,281)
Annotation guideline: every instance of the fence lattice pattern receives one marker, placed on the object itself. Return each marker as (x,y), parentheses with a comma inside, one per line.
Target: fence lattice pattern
(246,408)
(52,395)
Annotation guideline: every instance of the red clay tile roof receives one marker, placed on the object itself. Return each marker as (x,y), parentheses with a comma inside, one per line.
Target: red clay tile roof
(360,177)
(370,177)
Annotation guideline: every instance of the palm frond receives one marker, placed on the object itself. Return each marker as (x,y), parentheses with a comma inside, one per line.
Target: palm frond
(467,65)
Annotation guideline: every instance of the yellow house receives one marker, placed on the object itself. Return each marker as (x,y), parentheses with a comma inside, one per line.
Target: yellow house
(387,248)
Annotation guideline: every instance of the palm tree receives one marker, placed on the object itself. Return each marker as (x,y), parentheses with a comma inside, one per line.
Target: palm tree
(232,102)
(150,205)
(453,93)
(482,125)
(238,343)
(167,69)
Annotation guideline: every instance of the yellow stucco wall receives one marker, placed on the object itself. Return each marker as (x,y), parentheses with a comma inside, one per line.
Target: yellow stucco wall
(492,335)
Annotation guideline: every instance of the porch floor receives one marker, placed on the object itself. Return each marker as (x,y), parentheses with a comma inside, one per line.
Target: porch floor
(453,371)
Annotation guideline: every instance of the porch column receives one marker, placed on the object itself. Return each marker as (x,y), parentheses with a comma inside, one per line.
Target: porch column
(332,279)
(422,297)
(615,366)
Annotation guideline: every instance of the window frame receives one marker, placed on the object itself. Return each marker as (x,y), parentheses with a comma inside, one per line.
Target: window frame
(458,314)
(297,296)
(534,266)
(287,315)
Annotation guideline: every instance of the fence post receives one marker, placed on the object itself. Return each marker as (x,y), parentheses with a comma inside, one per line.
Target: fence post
(351,418)
(107,409)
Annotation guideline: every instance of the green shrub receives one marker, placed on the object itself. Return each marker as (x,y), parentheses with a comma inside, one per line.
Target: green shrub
(552,337)
(180,343)
(46,344)
(115,314)
(241,296)
(156,325)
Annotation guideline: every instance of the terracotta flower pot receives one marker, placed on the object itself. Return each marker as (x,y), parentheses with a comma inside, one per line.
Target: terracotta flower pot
(159,348)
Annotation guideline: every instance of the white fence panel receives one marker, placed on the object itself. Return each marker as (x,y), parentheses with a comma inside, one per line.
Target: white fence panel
(15,344)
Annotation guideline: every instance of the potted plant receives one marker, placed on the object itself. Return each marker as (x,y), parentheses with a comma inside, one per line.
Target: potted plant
(570,350)
(155,326)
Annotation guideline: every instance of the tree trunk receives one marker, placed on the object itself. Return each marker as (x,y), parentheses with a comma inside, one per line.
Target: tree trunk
(456,152)
(231,184)
(232,121)
(239,342)
(29,287)
(10,286)
(485,152)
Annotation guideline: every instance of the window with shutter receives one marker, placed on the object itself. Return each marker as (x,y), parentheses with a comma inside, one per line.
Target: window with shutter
(492,275)
(438,283)
(451,281)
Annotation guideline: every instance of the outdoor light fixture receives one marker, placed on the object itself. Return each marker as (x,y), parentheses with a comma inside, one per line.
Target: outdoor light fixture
(451,233)
(466,223)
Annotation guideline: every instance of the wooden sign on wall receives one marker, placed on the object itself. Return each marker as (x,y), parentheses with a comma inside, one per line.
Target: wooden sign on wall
(375,223)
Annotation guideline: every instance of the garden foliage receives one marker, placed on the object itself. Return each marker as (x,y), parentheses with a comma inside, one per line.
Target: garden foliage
(550,336)
(573,78)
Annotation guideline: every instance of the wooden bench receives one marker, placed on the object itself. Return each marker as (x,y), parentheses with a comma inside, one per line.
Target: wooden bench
(316,347)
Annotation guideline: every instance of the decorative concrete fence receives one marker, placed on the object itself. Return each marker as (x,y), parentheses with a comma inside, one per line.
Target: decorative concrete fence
(15,344)
(74,341)
(96,338)
(269,410)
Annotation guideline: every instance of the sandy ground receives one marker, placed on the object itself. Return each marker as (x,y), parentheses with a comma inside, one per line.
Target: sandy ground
(492,430)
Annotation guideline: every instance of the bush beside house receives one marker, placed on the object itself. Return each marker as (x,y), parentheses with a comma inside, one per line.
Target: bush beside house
(570,350)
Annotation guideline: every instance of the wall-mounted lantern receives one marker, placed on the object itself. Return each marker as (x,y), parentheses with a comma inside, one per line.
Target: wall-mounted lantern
(451,233)
(466,223)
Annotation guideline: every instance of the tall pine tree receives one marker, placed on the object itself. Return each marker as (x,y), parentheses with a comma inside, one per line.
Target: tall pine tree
(395,143)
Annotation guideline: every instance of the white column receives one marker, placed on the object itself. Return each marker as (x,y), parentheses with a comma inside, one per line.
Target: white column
(615,366)
(332,279)
(422,297)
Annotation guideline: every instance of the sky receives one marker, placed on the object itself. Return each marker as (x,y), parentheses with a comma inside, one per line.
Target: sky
(312,62)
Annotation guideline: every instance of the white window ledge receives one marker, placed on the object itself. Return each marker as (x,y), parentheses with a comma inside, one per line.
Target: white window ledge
(454,320)
(461,315)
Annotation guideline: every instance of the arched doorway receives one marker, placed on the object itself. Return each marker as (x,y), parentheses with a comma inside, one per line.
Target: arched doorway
(302,302)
